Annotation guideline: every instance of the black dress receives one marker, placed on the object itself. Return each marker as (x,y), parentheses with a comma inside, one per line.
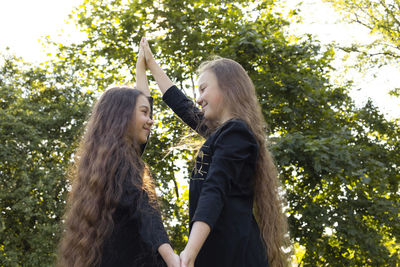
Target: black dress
(138,231)
(221,189)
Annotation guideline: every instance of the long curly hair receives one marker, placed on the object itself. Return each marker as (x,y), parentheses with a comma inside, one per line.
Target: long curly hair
(106,156)
(240,96)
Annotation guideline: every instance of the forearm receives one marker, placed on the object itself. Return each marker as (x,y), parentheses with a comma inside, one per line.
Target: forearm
(163,81)
(167,253)
(141,81)
(198,236)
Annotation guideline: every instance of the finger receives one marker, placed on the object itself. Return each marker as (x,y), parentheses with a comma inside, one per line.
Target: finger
(143,45)
(143,41)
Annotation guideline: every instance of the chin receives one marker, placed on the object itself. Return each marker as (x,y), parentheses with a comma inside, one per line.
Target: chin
(141,142)
(144,140)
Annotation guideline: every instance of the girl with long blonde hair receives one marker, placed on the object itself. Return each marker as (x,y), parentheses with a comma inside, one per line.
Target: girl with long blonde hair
(112,217)
(235,212)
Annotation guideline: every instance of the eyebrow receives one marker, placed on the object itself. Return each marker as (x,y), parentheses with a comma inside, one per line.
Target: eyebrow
(201,85)
(144,106)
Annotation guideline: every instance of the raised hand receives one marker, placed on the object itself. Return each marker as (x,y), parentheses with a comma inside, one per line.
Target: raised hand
(159,75)
(141,60)
(141,78)
(150,61)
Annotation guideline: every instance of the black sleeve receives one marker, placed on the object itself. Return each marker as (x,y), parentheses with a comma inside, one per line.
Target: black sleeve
(136,203)
(234,147)
(151,228)
(142,147)
(185,109)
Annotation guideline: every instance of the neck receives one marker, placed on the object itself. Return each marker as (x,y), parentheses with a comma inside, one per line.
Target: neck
(225,116)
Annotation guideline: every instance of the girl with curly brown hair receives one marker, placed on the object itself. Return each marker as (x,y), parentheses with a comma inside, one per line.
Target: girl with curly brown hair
(112,217)
(235,212)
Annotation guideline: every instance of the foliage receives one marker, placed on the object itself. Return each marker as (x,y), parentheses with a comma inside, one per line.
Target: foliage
(325,147)
(41,117)
(382,18)
(339,164)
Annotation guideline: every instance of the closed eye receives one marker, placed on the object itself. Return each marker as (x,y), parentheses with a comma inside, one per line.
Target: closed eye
(144,109)
(146,113)
(202,86)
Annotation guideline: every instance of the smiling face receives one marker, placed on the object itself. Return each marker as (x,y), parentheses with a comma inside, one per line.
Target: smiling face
(141,123)
(211,99)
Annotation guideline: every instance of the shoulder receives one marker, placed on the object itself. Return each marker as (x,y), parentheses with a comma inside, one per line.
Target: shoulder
(237,128)
(235,135)
(130,184)
(234,124)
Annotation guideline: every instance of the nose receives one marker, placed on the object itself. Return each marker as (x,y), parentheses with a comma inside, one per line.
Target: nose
(199,100)
(150,121)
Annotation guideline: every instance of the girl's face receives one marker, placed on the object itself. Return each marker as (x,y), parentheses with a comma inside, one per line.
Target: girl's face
(211,99)
(141,125)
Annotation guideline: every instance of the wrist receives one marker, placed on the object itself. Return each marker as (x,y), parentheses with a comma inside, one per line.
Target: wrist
(187,258)
(166,252)
(170,255)
(190,253)
(199,234)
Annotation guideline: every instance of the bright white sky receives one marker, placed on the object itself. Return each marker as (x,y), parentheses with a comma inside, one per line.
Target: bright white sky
(24,22)
(321,20)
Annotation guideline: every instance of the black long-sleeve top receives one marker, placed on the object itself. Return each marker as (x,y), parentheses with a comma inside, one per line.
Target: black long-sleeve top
(138,230)
(221,189)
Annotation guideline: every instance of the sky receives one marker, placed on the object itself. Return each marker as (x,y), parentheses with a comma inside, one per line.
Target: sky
(321,20)
(27,21)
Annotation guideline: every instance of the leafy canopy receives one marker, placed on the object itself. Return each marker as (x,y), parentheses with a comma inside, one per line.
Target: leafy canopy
(339,164)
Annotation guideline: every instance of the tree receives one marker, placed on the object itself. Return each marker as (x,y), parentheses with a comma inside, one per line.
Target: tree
(382,18)
(339,164)
(41,118)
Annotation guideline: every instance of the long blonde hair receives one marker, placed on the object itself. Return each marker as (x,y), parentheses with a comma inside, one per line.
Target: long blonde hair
(240,96)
